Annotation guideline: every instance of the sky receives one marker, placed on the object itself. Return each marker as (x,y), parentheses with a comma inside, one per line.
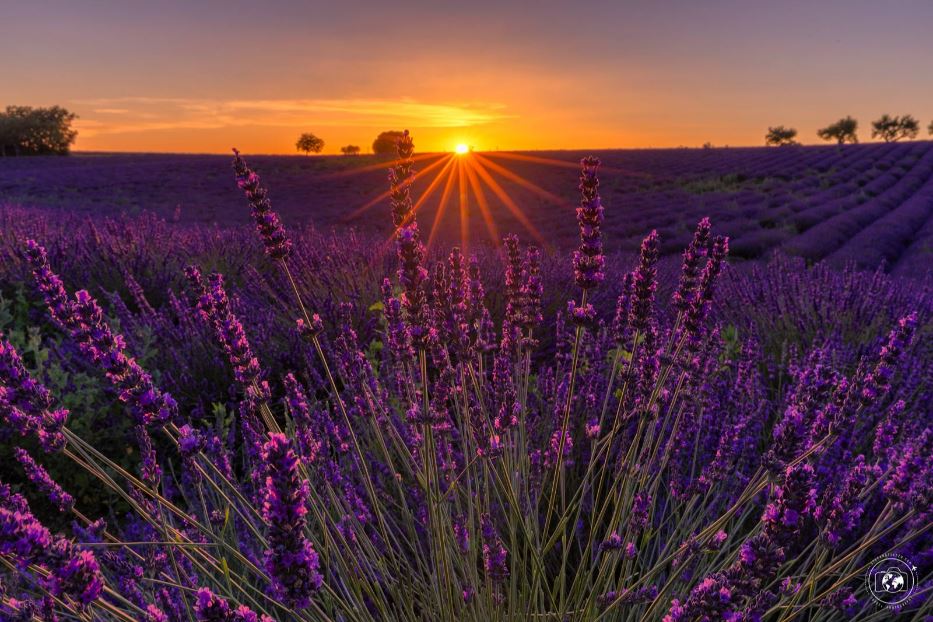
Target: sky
(201,76)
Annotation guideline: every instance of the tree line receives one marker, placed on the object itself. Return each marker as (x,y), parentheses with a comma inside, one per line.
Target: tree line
(888,128)
(383,145)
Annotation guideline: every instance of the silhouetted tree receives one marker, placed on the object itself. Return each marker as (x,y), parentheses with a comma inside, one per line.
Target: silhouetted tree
(350,150)
(842,131)
(781,135)
(892,129)
(25,130)
(309,143)
(930,128)
(385,142)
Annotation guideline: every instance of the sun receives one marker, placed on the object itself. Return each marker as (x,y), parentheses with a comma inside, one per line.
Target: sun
(462,149)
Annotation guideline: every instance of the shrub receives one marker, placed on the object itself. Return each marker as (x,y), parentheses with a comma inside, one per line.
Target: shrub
(350,150)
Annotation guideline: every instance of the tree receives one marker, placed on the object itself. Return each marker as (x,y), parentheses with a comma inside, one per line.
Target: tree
(930,128)
(842,131)
(892,129)
(350,150)
(25,130)
(309,143)
(781,136)
(385,142)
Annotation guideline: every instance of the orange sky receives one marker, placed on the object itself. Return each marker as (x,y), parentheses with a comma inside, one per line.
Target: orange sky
(201,77)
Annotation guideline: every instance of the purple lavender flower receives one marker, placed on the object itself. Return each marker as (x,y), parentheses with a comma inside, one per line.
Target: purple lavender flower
(148,405)
(211,608)
(26,405)
(513,279)
(886,430)
(740,587)
(842,600)
(699,304)
(612,543)
(411,272)
(270,228)
(215,307)
(840,508)
(39,477)
(878,381)
(72,573)
(638,517)
(581,315)
(644,284)
(77,574)
(589,260)
(495,557)
(401,177)
(694,253)
(52,289)
(84,319)
(910,484)
(309,332)
(643,594)
(290,559)
(458,296)
(309,445)
(398,337)
(623,309)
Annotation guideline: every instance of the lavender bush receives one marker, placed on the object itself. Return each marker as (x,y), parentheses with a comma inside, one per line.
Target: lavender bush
(460,451)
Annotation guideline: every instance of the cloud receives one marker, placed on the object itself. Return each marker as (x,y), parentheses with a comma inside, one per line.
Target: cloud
(147,114)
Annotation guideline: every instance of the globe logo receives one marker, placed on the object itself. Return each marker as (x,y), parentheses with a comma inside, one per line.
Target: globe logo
(891,580)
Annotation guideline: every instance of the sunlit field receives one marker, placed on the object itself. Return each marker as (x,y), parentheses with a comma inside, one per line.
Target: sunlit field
(678,385)
(853,204)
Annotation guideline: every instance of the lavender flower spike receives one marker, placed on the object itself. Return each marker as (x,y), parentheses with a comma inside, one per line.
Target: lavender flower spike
(36,474)
(589,260)
(691,266)
(411,253)
(270,228)
(212,608)
(84,320)
(26,405)
(290,559)
(645,284)
(495,557)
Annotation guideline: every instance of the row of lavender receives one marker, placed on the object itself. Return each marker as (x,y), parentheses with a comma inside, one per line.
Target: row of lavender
(811,204)
(435,450)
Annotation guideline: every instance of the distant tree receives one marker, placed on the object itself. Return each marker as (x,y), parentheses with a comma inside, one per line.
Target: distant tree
(892,129)
(385,142)
(350,150)
(842,131)
(781,135)
(25,130)
(930,128)
(309,143)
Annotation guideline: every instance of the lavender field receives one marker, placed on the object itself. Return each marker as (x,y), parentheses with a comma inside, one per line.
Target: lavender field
(675,385)
(859,204)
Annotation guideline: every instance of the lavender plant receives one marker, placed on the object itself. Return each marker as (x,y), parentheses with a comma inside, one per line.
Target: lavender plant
(649,464)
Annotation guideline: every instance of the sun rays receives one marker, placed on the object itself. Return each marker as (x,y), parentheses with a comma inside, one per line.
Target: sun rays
(461,186)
